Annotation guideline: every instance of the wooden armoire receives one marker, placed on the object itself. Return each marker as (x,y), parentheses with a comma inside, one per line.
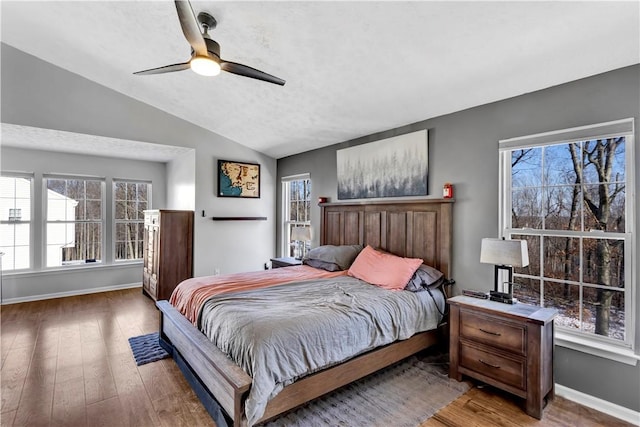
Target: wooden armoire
(168,251)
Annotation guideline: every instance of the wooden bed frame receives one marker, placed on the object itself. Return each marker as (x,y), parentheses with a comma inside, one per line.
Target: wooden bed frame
(409,228)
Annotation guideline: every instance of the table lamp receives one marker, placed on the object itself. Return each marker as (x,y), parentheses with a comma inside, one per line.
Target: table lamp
(504,254)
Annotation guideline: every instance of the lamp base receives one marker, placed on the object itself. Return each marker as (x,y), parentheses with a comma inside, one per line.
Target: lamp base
(502,297)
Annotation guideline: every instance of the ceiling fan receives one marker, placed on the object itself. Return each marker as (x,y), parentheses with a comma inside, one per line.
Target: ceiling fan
(205,52)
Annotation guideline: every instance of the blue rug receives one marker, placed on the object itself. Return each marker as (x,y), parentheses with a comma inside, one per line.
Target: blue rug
(146,348)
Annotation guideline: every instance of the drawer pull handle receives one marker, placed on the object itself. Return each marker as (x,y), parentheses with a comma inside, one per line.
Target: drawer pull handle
(489,364)
(489,332)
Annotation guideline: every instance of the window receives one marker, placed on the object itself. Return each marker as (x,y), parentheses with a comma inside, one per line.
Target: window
(130,200)
(15,221)
(569,195)
(296,192)
(74,220)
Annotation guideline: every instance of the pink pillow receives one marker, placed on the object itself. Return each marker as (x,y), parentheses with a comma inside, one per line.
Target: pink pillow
(383,269)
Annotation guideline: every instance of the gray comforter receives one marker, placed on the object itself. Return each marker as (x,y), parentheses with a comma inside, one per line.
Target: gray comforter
(284,332)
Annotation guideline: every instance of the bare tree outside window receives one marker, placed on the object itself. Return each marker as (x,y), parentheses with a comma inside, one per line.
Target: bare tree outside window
(297,212)
(131,199)
(74,221)
(569,202)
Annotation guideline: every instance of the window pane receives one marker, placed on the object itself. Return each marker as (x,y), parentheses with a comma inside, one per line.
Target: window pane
(604,312)
(57,185)
(7,234)
(15,207)
(604,207)
(566,299)
(604,160)
(562,208)
(94,190)
(132,191)
(6,205)
(132,210)
(293,211)
(562,258)
(120,191)
(558,164)
(7,187)
(297,213)
(73,243)
(129,212)
(307,210)
(21,259)
(533,246)
(526,209)
(58,209)
(603,262)
(60,234)
(142,192)
(74,189)
(526,168)
(129,238)
(22,236)
(23,205)
(527,290)
(120,209)
(142,206)
(94,209)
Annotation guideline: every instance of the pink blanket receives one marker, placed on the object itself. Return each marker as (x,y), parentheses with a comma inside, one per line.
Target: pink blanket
(189,296)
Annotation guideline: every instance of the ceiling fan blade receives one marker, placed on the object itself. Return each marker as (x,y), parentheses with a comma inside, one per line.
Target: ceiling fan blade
(191,27)
(165,69)
(246,71)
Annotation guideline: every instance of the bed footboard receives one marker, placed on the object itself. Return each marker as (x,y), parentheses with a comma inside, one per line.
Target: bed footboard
(224,379)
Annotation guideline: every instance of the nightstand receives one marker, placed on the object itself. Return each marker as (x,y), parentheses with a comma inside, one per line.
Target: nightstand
(509,346)
(285,262)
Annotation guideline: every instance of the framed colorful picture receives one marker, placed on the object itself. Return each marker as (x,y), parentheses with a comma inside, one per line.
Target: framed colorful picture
(238,179)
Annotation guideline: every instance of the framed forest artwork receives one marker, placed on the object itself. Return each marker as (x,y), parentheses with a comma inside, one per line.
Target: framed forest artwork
(392,167)
(238,179)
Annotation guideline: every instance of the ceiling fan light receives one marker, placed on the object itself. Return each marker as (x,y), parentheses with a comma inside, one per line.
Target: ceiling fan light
(205,66)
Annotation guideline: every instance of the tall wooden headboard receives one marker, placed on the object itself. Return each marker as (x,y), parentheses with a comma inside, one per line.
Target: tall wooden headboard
(409,228)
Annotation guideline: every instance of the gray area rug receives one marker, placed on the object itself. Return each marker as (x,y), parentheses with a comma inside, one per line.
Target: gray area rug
(403,395)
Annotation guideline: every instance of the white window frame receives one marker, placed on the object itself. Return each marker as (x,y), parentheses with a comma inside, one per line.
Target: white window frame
(30,177)
(286,223)
(116,221)
(594,344)
(45,221)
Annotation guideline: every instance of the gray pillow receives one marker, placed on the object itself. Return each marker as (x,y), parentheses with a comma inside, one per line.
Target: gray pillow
(424,277)
(332,258)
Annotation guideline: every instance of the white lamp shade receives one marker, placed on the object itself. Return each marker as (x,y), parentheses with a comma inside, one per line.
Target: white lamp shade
(504,252)
(301,233)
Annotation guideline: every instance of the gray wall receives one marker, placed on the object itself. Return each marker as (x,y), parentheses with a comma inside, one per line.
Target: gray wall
(37,284)
(39,94)
(463,150)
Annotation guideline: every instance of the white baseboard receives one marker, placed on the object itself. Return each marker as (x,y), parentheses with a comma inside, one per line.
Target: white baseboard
(71,293)
(598,404)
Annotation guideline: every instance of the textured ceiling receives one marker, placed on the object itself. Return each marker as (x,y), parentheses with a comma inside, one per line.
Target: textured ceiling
(69,142)
(352,68)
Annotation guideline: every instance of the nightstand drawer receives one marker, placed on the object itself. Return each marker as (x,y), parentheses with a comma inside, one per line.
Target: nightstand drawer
(506,370)
(493,331)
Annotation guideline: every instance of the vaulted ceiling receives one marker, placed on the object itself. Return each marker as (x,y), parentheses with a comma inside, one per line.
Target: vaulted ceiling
(351,68)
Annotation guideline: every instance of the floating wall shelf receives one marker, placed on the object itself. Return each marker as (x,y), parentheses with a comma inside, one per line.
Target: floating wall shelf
(239,218)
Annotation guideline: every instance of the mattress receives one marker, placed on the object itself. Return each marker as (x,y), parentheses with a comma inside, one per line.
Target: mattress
(280,333)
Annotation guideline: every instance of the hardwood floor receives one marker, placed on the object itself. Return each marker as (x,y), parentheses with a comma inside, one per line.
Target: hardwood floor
(67,362)
(487,406)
